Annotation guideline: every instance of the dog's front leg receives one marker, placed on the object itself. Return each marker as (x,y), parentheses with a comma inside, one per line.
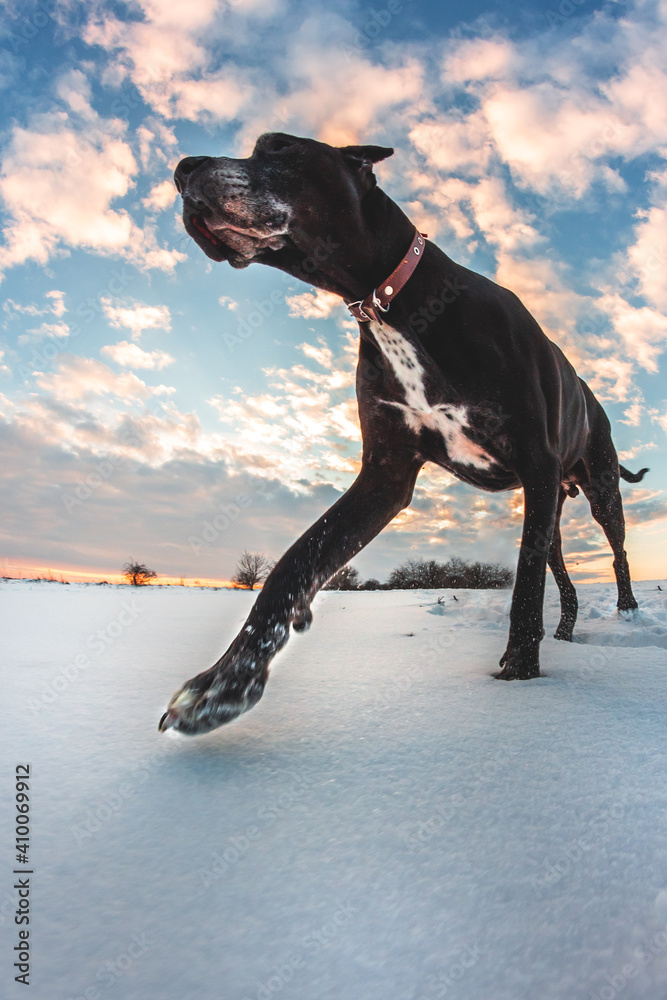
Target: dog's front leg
(236,682)
(521,659)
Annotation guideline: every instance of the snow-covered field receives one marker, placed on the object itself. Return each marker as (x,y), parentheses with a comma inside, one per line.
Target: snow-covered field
(389,823)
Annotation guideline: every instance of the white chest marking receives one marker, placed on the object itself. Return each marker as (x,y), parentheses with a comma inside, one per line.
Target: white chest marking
(444,418)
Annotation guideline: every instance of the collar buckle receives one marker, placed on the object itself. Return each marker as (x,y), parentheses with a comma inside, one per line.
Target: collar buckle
(365,310)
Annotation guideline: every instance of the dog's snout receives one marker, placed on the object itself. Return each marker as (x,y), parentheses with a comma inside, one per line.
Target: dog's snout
(185,168)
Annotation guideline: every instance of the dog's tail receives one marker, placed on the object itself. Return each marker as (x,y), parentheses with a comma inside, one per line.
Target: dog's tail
(632,477)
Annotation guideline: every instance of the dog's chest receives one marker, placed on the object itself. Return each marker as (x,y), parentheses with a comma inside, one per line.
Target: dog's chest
(447,420)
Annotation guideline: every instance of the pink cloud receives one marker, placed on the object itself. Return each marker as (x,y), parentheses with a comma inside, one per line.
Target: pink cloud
(642,330)
(58,185)
(479,59)
(78,379)
(317,304)
(161,196)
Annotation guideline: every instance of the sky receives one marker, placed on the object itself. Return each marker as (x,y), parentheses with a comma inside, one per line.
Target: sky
(158,406)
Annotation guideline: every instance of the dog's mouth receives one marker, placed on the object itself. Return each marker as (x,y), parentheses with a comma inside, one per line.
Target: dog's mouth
(209,241)
(201,226)
(225,241)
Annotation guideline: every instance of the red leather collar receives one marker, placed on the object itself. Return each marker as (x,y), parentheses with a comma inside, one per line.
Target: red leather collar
(381,298)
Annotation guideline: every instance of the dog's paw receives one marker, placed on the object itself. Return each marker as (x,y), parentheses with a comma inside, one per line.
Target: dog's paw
(302,620)
(213,698)
(519,664)
(564,632)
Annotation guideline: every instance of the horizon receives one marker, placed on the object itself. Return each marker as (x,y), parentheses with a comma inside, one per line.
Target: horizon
(155,403)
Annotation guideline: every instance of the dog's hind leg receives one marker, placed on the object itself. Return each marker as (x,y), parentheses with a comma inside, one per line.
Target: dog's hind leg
(236,682)
(540,486)
(607,509)
(601,489)
(568,595)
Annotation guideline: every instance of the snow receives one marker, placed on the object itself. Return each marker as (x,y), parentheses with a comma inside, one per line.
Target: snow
(388,822)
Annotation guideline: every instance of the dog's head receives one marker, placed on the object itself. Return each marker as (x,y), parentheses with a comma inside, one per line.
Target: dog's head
(283,205)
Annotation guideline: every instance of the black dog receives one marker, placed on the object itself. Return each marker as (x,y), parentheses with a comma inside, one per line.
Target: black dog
(453,369)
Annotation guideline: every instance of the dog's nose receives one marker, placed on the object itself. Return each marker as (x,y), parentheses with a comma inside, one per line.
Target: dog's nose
(185,168)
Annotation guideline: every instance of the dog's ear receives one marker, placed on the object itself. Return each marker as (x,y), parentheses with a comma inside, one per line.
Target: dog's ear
(363,157)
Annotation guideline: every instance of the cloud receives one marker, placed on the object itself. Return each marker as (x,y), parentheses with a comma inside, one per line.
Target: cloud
(74,89)
(132,356)
(640,91)
(454,145)
(228,303)
(78,379)
(58,331)
(611,379)
(174,506)
(59,183)
(320,352)
(161,196)
(552,140)
(56,306)
(136,318)
(317,304)
(633,416)
(304,428)
(642,330)
(166,58)
(647,256)
(553,109)
(157,143)
(478,59)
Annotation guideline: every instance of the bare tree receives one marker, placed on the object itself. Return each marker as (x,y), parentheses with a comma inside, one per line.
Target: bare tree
(251,569)
(346,578)
(137,573)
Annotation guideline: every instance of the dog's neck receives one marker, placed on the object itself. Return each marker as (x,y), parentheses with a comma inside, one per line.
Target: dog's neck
(373,247)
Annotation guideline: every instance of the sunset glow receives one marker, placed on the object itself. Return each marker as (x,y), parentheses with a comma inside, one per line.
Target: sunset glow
(153,403)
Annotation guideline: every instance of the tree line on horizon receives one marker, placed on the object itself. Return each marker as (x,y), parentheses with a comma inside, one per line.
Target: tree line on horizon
(413,574)
(429,574)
